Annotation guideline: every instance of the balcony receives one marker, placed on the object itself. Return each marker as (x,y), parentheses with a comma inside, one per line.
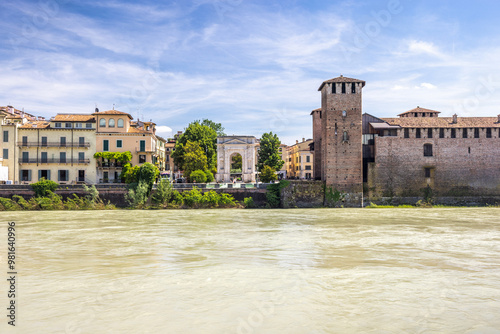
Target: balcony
(110,164)
(54,161)
(53,144)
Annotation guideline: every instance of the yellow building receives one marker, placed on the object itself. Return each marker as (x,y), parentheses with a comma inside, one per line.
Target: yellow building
(299,160)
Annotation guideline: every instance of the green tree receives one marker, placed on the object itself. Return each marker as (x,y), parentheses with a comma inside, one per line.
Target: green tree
(236,163)
(205,136)
(194,158)
(44,187)
(215,126)
(164,192)
(199,176)
(267,174)
(269,152)
(148,174)
(130,174)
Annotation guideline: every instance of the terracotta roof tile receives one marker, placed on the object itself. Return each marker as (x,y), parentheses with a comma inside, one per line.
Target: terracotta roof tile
(35,125)
(74,118)
(136,130)
(112,112)
(341,79)
(418,109)
(444,122)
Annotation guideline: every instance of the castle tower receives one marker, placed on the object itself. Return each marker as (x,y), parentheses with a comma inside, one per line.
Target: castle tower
(337,131)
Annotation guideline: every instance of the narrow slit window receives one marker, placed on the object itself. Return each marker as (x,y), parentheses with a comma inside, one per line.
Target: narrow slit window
(464,133)
(334,88)
(417,133)
(441,133)
(476,133)
(429,133)
(488,133)
(353,88)
(407,133)
(343,88)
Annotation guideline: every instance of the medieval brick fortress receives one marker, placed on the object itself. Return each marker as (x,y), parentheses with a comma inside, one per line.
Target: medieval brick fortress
(405,156)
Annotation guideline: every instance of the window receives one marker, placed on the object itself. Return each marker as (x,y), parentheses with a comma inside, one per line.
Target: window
(464,133)
(344,113)
(296,160)
(345,136)
(417,134)
(44,141)
(58,125)
(62,175)
(88,125)
(308,159)
(142,158)
(334,88)
(6,153)
(343,88)
(488,133)
(353,88)
(429,133)
(6,136)
(105,145)
(25,141)
(427,172)
(44,174)
(441,133)
(81,141)
(308,167)
(44,157)
(81,156)
(68,125)
(120,122)
(26,157)
(427,150)
(119,143)
(407,133)
(111,123)
(453,133)
(102,123)
(62,157)
(476,133)
(78,125)
(62,141)
(25,174)
(142,147)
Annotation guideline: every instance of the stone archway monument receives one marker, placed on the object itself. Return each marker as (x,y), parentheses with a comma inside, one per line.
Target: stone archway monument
(228,146)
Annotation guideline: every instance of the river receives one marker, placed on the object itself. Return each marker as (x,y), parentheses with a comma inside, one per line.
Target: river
(256,271)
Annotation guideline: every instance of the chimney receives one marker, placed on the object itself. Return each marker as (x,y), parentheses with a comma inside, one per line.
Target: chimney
(303,139)
(10,109)
(455,119)
(296,141)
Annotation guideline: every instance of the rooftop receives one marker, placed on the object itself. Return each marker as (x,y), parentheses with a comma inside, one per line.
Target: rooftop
(341,79)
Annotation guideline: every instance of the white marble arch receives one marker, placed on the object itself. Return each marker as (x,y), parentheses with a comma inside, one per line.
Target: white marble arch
(227,146)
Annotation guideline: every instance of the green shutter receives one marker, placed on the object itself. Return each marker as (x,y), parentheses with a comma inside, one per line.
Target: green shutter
(59,175)
(29,174)
(39,174)
(48,174)
(106,145)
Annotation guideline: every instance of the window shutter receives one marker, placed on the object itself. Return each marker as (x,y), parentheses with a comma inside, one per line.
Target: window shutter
(59,175)
(67,175)
(48,174)
(29,174)
(39,174)
(20,176)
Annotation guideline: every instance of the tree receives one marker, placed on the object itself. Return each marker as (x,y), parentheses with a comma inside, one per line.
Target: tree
(267,174)
(199,176)
(236,162)
(148,174)
(44,187)
(269,152)
(194,158)
(215,126)
(205,136)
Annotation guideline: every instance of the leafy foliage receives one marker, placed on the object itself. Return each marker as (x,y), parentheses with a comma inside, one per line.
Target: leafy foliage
(249,202)
(130,174)
(164,193)
(118,156)
(137,196)
(194,159)
(215,126)
(205,136)
(236,162)
(210,199)
(267,174)
(44,187)
(198,176)
(210,176)
(148,174)
(273,194)
(269,152)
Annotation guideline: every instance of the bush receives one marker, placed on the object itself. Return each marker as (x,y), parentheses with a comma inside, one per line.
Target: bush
(210,176)
(138,196)
(268,174)
(248,202)
(148,174)
(193,197)
(198,176)
(44,187)
(92,194)
(164,192)
(6,204)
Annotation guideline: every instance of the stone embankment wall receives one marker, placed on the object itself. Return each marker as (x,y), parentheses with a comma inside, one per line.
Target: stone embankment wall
(303,194)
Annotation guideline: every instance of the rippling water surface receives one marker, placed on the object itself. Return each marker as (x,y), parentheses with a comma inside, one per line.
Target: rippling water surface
(257,271)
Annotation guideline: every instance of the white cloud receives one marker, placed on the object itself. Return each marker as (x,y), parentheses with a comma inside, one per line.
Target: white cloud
(164,131)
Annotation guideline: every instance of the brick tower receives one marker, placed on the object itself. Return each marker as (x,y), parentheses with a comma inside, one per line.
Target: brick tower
(337,133)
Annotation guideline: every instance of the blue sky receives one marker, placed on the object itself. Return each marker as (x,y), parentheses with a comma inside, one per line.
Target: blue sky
(254,66)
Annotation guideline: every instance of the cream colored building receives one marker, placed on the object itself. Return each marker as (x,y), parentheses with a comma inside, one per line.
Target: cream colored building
(116,132)
(299,160)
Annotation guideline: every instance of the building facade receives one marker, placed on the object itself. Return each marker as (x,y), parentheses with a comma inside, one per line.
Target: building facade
(300,160)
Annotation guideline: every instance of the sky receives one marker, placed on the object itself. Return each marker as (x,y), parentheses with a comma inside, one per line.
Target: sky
(255,66)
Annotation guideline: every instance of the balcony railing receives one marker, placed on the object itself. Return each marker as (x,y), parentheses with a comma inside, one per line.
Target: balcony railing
(108,164)
(54,161)
(53,144)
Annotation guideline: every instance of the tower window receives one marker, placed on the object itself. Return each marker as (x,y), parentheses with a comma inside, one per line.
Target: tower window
(476,133)
(343,88)
(429,133)
(353,88)
(453,133)
(488,133)
(345,137)
(441,133)
(427,172)
(344,113)
(407,133)
(334,88)
(464,133)
(417,134)
(427,150)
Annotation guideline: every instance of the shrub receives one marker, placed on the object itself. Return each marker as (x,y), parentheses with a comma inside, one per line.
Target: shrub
(210,176)
(193,197)
(248,202)
(267,174)
(148,174)
(273,194)
(6,204)
(164,192)
(138,196)
(92,194)
(44,187)
(198,176)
